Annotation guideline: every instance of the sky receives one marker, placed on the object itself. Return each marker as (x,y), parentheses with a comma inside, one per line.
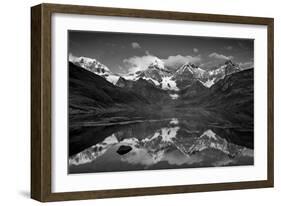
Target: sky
(129,52)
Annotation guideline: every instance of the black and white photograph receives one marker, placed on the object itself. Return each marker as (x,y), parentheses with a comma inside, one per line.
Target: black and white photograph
(157,101)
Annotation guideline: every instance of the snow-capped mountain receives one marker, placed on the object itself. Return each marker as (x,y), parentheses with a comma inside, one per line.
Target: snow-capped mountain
(192,70)
(96,67)
(155,71)
(220,72)
(159,76)
(91,65)
(188,73)
(227,68)
(184,76)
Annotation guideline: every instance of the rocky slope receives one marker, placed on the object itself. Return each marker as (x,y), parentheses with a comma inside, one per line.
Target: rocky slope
(91,93)
(95,67)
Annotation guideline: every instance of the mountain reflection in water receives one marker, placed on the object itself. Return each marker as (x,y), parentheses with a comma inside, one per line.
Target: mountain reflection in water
(162,144)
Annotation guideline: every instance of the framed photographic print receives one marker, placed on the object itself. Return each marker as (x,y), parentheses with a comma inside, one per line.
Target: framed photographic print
(132,102)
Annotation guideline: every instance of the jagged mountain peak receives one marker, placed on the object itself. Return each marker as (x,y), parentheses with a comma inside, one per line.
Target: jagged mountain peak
(225,64)
(157,74)
(90,64)
(226,68)
(220,71)
(157,63)
(233,67)
(95,67)
(189,64)
(187,74)
(83,59)
(228,62)
(193,69)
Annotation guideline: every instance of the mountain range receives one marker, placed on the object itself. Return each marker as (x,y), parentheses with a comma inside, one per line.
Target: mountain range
(95,89)
(161,77)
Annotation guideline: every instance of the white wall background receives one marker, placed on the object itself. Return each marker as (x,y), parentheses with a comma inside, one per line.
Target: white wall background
(15,102)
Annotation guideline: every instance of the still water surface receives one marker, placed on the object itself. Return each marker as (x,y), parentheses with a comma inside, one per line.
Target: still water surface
(169,143)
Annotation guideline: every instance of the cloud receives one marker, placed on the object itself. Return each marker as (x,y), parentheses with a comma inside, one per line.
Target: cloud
(229,48)
(122,70)
(71,57)
(173,62)
(210,64)
(195,50)
(220,56)
(147,53)
(246,65)
(135,45)
(137,63)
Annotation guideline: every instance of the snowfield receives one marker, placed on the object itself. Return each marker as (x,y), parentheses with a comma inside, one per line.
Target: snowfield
(112,78)
(209,82)
(169,84)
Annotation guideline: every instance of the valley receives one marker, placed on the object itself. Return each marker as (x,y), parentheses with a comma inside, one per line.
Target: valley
(186,118)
